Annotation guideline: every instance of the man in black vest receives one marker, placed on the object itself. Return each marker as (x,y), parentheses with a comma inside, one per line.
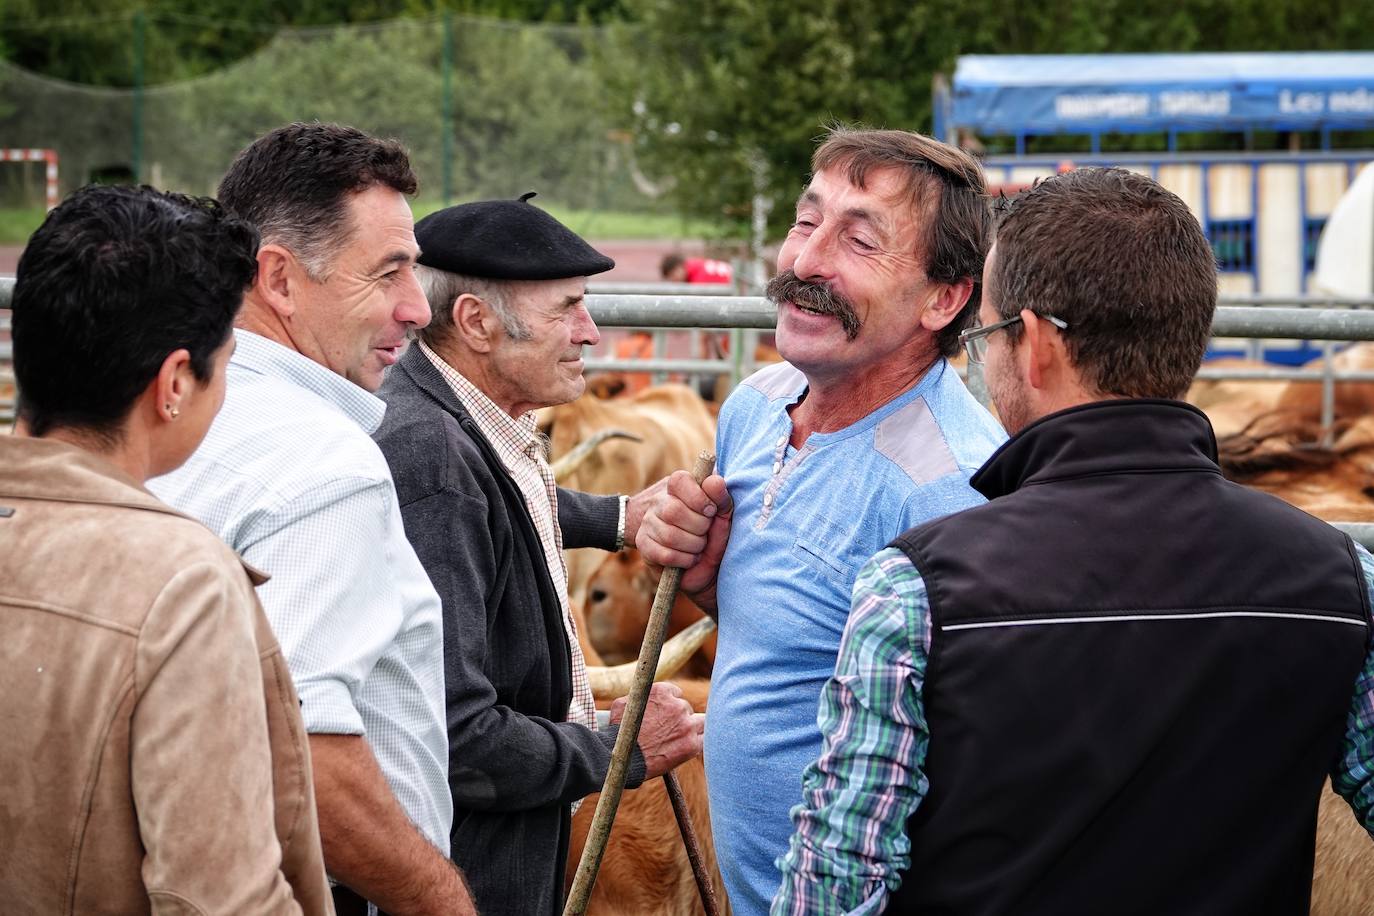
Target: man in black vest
(1118,686)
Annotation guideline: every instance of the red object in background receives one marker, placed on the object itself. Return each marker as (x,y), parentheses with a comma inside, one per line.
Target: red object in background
(638,345)
(708,270)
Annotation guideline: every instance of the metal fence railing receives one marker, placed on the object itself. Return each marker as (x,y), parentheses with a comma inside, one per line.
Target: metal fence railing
(7,389)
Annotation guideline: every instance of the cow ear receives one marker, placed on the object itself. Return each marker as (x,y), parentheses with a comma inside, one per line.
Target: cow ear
(646,581)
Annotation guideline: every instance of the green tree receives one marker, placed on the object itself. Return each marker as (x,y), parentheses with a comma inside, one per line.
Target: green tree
(67,40)
(709,90)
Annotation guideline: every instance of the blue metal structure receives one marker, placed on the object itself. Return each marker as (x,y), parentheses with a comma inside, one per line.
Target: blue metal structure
(1277,222)
(1094,94)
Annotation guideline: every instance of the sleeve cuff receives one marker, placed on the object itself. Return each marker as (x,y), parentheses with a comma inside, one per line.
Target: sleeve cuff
(327,709)
(620,525)
(634,776)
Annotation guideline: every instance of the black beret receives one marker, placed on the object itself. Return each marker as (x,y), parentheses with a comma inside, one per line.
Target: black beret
(505,240)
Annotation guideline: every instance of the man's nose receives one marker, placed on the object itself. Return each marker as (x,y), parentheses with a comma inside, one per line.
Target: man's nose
(585,331)
(412,307)
(815,256)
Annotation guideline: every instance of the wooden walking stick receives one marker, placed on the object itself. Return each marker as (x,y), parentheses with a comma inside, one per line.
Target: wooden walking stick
(705,887)
(606,805)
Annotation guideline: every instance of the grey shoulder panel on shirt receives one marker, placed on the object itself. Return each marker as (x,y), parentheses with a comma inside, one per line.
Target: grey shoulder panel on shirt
(777,380)
(912,440)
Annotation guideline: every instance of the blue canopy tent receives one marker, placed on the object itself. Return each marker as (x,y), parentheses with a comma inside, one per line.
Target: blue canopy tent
(1093,94)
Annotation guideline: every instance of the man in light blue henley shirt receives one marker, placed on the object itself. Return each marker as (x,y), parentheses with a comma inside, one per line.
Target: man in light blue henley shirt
(864,431)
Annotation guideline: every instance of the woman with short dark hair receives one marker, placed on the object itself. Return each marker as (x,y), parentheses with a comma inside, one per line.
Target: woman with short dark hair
(154,755)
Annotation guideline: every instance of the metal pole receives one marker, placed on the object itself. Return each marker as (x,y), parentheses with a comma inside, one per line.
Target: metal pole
(1328,395)
(446,118)
(660,351)
(136,152)
(609,801)
(736,357)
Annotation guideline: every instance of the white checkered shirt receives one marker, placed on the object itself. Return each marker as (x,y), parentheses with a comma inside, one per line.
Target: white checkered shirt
(289,476)
(518,446)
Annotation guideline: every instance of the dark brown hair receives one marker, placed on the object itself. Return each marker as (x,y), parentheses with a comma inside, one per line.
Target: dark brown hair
(1125,263)
(944,184)
(294,182)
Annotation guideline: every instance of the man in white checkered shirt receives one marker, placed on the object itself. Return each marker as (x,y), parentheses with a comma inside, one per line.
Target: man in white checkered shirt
(290,478)
(505,282)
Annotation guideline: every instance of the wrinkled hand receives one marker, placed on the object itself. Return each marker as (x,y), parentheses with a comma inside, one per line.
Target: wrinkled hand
(671,732)
(688,525)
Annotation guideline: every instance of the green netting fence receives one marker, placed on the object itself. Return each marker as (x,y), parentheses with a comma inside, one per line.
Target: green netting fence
(487,107)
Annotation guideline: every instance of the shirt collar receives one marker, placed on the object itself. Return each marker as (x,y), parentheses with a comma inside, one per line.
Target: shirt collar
(500,428)
(256,353)
(1114,436)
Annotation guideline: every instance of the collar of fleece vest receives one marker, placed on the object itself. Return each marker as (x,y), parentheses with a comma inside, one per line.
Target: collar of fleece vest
(1104,437)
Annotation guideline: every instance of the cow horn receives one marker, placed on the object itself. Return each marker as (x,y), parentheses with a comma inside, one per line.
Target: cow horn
(609,683)
(573,459)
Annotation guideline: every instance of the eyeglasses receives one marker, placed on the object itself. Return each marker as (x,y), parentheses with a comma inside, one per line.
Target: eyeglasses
(976,339)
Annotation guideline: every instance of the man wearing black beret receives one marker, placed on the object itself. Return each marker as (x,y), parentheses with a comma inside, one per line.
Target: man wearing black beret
(505,282)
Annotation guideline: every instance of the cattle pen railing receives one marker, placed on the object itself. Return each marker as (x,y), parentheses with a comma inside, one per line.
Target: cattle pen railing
(696,308)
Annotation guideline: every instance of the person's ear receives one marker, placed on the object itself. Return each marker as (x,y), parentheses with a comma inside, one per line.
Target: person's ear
(174,382)
(1043,348)
(950,299)
(279,275)
(475,322)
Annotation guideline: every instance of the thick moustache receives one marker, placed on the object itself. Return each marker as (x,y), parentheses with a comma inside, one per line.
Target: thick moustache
(814,299)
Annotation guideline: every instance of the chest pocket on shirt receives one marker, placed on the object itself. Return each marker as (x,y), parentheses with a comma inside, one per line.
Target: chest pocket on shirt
(832,552)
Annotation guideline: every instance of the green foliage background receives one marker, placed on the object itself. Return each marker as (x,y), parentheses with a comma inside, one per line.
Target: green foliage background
(737,76)
(653,106)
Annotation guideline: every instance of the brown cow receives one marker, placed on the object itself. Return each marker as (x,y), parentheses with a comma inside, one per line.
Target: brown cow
(1353,399)
(1232,403)
(1283,453)
(645,871)
(1343,879)
(671,420)
(619,594)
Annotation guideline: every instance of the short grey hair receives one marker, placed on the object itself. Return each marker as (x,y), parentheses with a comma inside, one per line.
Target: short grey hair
(316,247)
(442,288)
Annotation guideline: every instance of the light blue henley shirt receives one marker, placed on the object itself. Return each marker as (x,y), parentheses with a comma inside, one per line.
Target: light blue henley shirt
(805,521)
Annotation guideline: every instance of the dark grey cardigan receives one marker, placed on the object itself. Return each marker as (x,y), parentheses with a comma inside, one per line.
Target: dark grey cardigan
(515,763)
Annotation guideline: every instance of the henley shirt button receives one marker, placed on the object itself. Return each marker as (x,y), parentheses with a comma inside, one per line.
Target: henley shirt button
(781,440)
(777,466)
(768,499)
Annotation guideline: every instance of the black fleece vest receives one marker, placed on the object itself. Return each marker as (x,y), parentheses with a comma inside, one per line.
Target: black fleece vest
(1138,678)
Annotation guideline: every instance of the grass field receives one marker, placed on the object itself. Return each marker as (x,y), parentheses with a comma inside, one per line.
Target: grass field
(16,225)
(612,224)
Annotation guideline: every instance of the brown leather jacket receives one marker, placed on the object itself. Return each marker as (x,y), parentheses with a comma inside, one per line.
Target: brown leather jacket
(150,736)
